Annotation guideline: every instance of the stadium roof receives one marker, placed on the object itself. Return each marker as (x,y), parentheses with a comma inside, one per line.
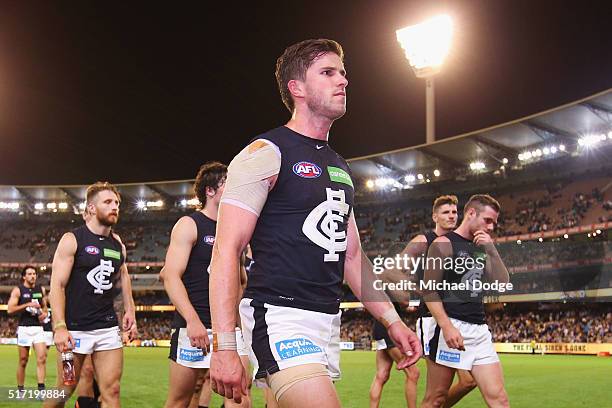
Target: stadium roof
(563,125)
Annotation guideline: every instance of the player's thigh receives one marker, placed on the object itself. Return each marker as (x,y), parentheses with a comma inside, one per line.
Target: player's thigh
(311,392)
(439,377)
(489,378)
(466,379)
(182,381)
(108,366)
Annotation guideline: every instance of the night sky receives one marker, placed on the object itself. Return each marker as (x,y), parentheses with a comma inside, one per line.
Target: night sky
(147,92)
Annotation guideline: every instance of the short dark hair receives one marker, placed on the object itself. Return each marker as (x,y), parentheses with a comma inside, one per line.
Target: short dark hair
(99,186)
(296,60)
(478,201)
(445,199)
(25,269)
(209,175)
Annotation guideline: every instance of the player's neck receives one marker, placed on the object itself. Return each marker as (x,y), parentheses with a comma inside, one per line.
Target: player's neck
(310,125)
(97,228)
(27,285)
(211,211)
(464,231)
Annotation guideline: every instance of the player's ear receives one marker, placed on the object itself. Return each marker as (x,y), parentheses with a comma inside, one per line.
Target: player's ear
(296,88)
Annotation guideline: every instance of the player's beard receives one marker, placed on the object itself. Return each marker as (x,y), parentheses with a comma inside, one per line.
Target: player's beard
(109,220)
(318,104)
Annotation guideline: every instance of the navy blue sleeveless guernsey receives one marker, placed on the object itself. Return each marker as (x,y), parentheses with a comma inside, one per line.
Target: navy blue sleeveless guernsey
(299,242)
(91,287)
(27,295)
(197,271)
(422,311)
(464,305)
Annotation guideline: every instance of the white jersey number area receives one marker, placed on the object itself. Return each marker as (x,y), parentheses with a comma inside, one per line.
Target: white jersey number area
(321,225)
(98,276)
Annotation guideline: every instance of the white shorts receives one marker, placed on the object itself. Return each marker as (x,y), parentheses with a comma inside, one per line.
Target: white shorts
(183,353)
(90,341)
(281,337)
(48,338)
(477,341)
(425,327)
(28,335)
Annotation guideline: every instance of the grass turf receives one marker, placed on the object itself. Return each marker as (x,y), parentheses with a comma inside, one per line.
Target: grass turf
(531,381)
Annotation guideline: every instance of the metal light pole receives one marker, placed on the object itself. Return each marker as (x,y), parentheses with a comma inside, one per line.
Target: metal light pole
(426,45)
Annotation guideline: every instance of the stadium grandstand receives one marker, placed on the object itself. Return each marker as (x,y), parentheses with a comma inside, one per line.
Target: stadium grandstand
(550,171)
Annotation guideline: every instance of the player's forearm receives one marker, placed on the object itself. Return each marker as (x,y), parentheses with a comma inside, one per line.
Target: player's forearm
(180,299)
(438,313)
(57,298)
(224,289)
(126,292)
(16,308)
(495,268)
(360,277)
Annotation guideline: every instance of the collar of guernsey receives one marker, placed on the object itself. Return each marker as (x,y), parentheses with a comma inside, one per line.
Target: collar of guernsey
(299,242)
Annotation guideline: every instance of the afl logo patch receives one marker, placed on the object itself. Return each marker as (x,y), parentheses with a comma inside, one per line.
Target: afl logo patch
(306,170)
(92,250)
(209,239)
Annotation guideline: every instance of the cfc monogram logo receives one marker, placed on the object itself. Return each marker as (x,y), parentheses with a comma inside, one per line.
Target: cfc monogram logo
(321,225)
(98,276)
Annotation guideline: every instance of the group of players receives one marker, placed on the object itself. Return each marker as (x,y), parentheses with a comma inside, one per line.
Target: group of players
(288,199)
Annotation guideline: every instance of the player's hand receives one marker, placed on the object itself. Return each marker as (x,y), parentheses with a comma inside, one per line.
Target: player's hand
(63,340)
(227,375)
(198,335)
(407,342)
(129,325)
(453,337)
(42,316)
(35,305)
(481,238)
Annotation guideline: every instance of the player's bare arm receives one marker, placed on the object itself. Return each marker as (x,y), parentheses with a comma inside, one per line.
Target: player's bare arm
(441,248)
(63,260)
(414,249)
(495,269)
(358,272)
(183,237)
(129,308)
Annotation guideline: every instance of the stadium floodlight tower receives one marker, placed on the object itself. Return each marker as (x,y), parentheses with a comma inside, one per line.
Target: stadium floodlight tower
(426,45)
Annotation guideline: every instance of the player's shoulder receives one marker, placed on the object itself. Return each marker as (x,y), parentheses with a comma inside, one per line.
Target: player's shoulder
(116,237)
(441,239)
(16,291)
(185,227)
(419,239)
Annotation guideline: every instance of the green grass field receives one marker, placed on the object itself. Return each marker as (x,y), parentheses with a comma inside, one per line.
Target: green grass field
(531,381)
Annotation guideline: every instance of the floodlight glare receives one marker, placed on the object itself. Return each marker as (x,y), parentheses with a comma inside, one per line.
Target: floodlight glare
(562,148)
(409,178)
(420,176)
(437,172)
(427,44)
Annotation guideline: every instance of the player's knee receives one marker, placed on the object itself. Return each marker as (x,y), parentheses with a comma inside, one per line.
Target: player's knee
(436,398)
(501,398)
(467,384)
(382,375)
(41,360)
(87,373)
(23,361)
(112,391)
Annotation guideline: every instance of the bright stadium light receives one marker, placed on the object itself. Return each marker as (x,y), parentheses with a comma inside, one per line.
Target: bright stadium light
(562,148)
(141,204)
(193,202)
(475,166)
(426,45)
(51,206)
(505,160)
(436,173)
(39,206)
(63,206)
(610,135)
(553,150)
(565,236)
(82,206)
(546,151)
(420,176)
